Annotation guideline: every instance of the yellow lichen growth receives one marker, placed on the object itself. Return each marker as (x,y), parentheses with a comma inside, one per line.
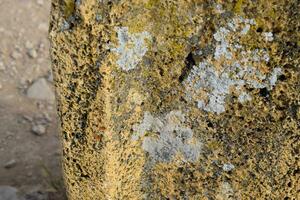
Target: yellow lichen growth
(69,7)
(100,104)
(238,8)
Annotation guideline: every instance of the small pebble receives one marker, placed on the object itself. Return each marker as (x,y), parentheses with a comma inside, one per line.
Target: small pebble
(40,2)
(50,76)
(28,45)
(39,129)
(29,174)
(10,164)
(43,27)
(32,53)
(41,46)
(16,55)
(40,90)
(9,134)
(2,66)
(8,193)
(27,118)
(47,117)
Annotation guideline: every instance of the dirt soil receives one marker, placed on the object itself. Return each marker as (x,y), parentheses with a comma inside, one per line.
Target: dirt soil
(29,143)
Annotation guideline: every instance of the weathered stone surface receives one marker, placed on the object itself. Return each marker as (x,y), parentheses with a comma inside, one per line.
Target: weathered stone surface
(178,99)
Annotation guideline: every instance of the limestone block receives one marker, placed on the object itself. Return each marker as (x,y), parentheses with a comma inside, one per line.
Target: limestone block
(178,99)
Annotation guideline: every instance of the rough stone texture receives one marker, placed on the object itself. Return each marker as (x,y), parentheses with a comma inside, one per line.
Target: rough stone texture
(178,99)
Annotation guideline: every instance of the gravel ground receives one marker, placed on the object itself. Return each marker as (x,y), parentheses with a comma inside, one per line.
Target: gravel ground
(29,144)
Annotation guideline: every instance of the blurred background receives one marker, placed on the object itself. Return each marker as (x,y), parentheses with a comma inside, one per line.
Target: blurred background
(29,144)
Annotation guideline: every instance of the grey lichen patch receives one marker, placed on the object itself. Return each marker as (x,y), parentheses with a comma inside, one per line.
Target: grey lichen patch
(225,192)
(65,25)
(173,137)
(227,167)
(268,36)
(244,97)
(131,48)
(273,77)
(218,8)
(231,68)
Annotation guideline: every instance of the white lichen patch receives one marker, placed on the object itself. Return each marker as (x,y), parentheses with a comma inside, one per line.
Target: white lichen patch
(273,78)
(229,70)
(227,167)
(131,49)
(244,97)
(173,137)
(219,8)
(268,36)
(225,192)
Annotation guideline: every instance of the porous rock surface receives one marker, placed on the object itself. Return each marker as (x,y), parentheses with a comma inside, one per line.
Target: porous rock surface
(178,99)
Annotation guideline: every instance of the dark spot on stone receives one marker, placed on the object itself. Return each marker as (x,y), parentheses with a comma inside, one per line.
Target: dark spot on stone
(84,176)
(119,100)
(282,77)
(209,124)
(240,106)
(259,30)
(78,136)
(182,193)
(84,120)
(293,109)
(226,14)
(189,63)
(65,135)
(289,66)
(110,4)
(161,71)
(276,30)
(183,100)
(296,171)
(259,130)
(291,44)
(180,169)
(264,92)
